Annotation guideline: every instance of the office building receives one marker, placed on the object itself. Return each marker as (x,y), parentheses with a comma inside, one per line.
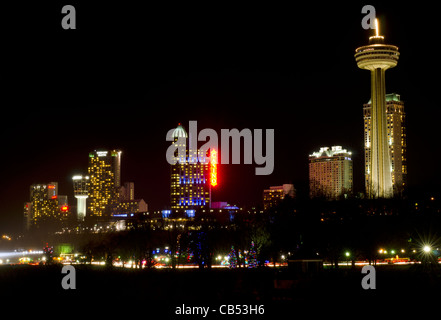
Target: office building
(44,204)
(330,173)
(104,173)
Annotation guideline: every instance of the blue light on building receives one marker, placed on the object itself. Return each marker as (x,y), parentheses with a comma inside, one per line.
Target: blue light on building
(166,213)
(190,213)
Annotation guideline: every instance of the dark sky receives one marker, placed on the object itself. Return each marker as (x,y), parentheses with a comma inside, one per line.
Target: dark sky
(128,74)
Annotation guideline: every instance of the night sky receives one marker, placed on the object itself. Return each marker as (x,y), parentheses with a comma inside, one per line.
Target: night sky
(128,74)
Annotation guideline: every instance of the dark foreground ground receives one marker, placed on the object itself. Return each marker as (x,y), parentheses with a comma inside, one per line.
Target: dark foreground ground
(156,294)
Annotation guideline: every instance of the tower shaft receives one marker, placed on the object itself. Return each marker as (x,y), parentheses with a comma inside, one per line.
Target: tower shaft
(81,208)
(380,182)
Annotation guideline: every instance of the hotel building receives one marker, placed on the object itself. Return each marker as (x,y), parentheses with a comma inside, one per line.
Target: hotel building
(330,173)
(189,183)
(396,137)
(45,204)
(104,173)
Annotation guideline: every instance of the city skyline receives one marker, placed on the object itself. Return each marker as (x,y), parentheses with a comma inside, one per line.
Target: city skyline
(272,88)
(316,182)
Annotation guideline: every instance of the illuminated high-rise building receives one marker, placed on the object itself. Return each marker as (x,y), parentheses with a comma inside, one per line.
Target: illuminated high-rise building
(104,173)
(190,183)
(43,204)
(377,57)
(81,193)
(330,173)
(396,137)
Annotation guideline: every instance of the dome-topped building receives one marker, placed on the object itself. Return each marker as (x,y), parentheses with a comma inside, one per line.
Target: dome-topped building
(189,187)
(179,132)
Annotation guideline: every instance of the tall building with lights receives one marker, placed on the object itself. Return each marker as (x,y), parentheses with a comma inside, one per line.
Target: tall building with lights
(396,137)
(104,173)
(44,201)
(377,57)
(190,181)
(45,205)
(81,193)
(330,173)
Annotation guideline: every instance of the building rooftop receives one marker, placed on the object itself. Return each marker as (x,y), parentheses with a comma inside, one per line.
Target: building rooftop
(325,152)
(179,132)
(390,97)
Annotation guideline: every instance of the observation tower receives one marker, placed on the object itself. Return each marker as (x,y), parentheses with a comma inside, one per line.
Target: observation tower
(377,57)
(81,189)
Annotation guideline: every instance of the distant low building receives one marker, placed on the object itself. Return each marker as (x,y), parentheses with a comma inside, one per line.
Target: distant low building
(275,194)
(218,204)
(129,206)
(27,215)
(127,191)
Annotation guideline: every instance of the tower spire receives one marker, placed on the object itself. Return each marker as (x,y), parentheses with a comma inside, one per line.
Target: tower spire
(377,28)
(377,38)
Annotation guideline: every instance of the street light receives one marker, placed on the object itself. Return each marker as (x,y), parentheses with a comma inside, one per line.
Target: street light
(347,254)
(427,249)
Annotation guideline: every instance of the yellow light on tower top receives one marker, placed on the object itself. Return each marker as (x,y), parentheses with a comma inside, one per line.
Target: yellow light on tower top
(377,28)
(377,36)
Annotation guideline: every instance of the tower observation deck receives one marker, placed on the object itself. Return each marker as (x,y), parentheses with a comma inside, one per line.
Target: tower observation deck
(377,57)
